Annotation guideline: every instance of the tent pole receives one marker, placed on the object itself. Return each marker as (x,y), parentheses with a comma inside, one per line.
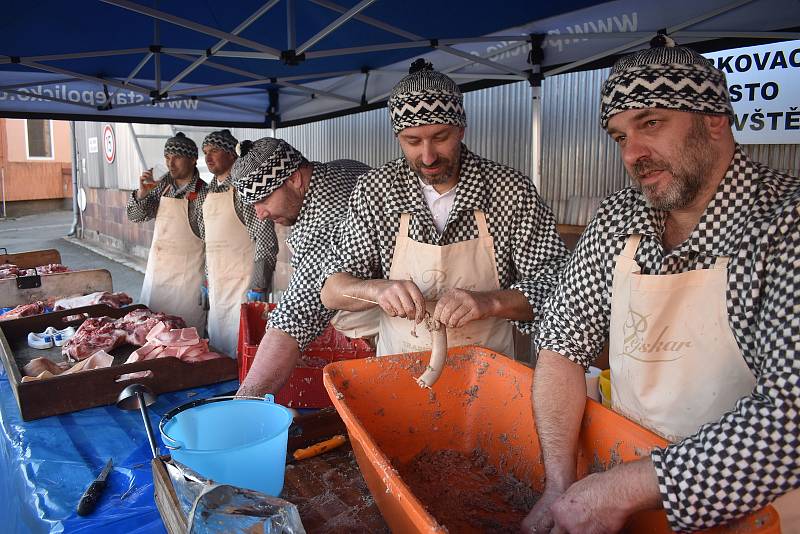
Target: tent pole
(535,57)
(291,36)
(73,231)
(217,47)
(536,137)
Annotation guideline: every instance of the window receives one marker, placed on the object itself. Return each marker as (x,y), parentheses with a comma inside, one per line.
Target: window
(39,134)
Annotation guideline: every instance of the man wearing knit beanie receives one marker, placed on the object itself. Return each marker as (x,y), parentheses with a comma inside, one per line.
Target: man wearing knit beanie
(692,276)
(442,231)
(176,260)
(310,197)
(241,250)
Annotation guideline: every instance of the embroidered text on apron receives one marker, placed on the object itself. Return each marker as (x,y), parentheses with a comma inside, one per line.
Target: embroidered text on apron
(229,257)
(469,265)
(175,265)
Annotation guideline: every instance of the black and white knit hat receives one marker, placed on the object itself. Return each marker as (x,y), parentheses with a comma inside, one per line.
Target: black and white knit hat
(425,96)
(263,166)
(222,139)
(181,145)
(665,76)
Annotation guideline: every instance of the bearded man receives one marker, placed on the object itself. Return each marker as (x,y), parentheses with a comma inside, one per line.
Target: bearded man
(693,277)
(441,231)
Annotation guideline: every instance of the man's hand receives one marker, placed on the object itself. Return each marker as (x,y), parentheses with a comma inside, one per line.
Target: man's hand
(458,307)
(400,298)
(601,503)
(540,519)
(590,506)
(274,363)
(146,184)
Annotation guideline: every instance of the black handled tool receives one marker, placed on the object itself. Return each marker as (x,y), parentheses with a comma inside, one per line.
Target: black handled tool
(92,494)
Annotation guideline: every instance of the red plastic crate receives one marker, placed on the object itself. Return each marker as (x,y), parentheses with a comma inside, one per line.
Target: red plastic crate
(304,388)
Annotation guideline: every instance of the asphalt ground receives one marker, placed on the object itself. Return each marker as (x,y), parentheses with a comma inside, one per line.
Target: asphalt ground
(49,231)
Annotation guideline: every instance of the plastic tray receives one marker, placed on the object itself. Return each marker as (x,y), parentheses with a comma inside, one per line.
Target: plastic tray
(481,401)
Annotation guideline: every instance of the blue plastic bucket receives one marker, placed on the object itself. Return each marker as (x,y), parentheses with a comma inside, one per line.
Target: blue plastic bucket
(231,440)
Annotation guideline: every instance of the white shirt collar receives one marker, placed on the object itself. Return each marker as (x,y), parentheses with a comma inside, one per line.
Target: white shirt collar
(440,204)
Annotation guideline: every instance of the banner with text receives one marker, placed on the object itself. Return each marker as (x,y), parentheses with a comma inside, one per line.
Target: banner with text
(764,83)
(31,92)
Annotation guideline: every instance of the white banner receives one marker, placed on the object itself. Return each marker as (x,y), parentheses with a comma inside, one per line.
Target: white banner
(764,83)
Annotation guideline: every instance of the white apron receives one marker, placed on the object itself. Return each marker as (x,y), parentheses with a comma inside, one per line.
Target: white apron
(675,364)
(435,269)
(229,257)
(175,265)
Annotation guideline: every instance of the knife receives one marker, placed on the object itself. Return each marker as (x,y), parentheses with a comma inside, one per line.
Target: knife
(92,494)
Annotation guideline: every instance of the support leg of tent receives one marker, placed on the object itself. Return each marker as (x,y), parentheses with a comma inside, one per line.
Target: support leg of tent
(536,137)
(535,58)
(137,146)
(73,231)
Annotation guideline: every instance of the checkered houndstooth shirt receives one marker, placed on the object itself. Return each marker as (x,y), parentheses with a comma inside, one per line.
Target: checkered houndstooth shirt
(528,250)
(300,312)
(752,454)
(261,232)
(146,208)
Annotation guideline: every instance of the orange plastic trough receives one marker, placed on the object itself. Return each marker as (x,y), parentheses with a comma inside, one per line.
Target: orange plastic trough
(482,401)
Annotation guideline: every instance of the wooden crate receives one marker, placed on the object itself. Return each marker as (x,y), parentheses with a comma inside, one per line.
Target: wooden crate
(322,487)
(13,291)
(32,258)
(98,387)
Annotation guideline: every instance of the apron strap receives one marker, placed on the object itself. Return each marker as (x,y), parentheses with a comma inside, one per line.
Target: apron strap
(404,218)
(721,263)
(631,244)
(480,219)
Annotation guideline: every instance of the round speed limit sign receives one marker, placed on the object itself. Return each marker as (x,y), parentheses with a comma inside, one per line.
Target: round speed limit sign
(109,144)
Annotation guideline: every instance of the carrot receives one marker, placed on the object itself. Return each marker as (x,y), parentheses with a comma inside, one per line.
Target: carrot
(319,448)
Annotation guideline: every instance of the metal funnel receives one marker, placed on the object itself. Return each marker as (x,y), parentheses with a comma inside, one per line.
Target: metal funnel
(139,397)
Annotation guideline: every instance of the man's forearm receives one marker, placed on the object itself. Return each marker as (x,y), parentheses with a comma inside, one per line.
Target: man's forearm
(340,284)
(275,360)
(510,304)
(559,397)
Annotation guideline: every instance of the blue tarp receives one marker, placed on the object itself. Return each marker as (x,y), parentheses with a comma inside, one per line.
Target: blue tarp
(236,63)
(46,464)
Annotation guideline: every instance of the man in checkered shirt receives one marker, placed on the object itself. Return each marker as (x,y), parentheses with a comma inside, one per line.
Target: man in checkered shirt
(175,262)
(443,225)
(693,276)
(219,149)
(282,186)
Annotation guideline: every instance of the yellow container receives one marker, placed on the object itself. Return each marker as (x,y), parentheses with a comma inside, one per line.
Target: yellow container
(605,387)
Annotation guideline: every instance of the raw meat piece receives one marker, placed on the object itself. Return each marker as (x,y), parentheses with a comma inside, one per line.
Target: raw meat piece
(178,337)
(182,343)
(24,310)
(115,300)
(41,376)
(95,334)
(105,333)
(52,268)
(9,270)
(40,365)
(138,375)
(147,352)
(98,360)
(49,369)
(138,324)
